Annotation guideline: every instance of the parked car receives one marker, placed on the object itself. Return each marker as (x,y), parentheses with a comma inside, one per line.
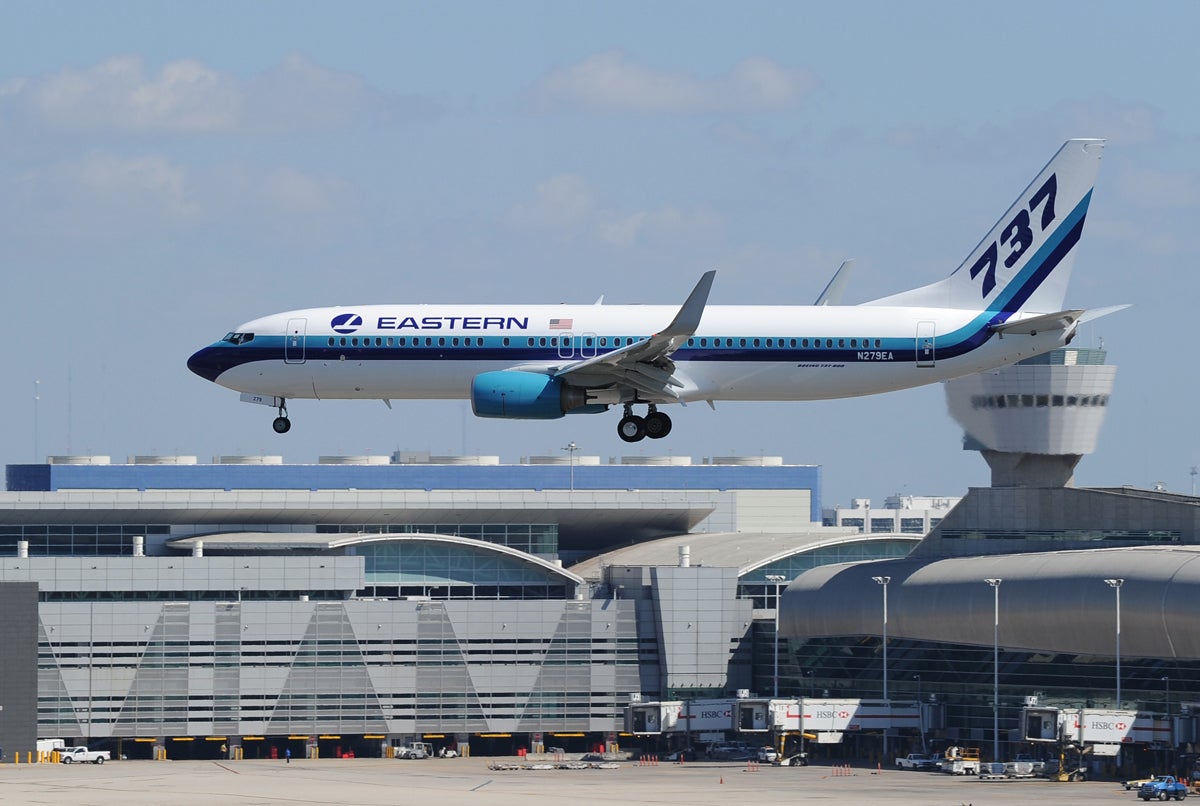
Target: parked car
(767,755)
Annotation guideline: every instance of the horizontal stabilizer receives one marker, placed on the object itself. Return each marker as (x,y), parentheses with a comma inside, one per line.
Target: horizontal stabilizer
(1033,325)
(1096,313)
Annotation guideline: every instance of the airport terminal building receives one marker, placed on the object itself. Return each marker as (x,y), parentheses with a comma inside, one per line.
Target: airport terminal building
(359,603)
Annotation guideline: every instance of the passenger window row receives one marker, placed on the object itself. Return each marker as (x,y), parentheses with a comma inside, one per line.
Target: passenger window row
(404,341)
(603,341)
(853,344)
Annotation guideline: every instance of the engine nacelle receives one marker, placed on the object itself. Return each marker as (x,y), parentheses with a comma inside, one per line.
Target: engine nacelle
(517,395)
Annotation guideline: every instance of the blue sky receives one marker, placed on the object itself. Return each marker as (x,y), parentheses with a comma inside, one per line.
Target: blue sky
(170,170)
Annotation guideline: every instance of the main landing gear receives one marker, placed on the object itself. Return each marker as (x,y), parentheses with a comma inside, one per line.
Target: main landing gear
(282,424)
(633,428)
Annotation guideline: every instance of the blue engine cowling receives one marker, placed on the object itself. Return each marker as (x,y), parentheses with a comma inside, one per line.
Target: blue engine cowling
(517,395)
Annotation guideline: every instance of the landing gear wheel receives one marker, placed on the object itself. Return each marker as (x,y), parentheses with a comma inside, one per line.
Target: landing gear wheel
(631,428)
(282,425)
(658,425)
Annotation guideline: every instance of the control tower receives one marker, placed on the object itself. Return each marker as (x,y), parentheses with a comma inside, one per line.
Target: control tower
(1033,421)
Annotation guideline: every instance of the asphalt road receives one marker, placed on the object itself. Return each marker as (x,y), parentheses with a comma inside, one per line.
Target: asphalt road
(448,782)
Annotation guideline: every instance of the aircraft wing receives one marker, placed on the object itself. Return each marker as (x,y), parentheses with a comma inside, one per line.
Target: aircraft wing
(645,365)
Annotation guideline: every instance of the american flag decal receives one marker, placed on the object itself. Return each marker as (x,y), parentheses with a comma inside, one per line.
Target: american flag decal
(561,324)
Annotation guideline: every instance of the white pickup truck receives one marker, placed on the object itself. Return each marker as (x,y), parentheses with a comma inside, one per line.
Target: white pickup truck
(916,761)
(80,754)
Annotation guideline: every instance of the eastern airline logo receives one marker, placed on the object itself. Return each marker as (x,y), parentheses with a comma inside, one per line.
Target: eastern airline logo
(346,323)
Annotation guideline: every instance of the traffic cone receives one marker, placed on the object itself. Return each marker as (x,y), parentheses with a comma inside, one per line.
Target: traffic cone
(722,779)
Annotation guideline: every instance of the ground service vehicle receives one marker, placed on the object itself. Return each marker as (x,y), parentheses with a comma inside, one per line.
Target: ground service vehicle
(80,754)
(414,750)
(961,761)
(1162,787)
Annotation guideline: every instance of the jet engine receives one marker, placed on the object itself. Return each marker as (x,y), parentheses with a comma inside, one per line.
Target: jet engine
(519,395)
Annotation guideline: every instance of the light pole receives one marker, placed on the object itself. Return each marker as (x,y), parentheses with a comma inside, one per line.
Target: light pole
(777,579)
(883,581)
(920,712)
(570,448)
(1116,584)
(1170,719)
(995,583)
(37,396)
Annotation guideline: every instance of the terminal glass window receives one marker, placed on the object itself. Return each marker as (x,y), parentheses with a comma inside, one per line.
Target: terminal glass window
(79,539)
(882,525)
(532,538)
(452,571)
(754,584)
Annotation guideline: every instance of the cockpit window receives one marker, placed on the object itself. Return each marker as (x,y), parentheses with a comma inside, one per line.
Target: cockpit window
(238,338)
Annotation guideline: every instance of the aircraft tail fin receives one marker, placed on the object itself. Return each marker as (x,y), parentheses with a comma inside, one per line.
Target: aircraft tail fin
(1024,263)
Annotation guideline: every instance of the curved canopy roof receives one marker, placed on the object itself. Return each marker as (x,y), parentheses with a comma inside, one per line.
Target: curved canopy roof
(746,551)
(279,541)
(1050,601)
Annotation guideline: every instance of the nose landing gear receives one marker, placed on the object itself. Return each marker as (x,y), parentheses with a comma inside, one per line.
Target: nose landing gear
(281,423)
(633,428)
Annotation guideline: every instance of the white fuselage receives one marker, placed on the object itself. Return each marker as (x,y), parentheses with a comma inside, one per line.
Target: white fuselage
(737,353)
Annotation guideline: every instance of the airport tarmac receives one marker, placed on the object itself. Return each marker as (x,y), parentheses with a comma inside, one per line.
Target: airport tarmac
(449,782)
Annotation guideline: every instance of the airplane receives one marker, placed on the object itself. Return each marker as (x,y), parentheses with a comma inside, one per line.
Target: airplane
(1004,303)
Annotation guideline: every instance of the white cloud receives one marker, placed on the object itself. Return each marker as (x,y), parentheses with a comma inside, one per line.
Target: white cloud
(1125,122)
(611,82)
(116,94)
(137,183)
(108,198)
(566,207)
(666,224)
(1151,188)
(290,191)
(561,205)
(188,97)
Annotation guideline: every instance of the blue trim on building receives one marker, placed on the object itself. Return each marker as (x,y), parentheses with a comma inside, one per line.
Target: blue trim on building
(53,478)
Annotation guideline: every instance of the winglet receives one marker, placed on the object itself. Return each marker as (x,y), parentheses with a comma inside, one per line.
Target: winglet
(688,318)
(832,295)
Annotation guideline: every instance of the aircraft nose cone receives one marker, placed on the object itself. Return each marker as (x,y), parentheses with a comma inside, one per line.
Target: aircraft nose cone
(205,363)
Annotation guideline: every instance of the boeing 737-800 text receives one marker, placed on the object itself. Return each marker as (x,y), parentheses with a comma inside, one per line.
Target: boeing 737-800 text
(1003,304)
